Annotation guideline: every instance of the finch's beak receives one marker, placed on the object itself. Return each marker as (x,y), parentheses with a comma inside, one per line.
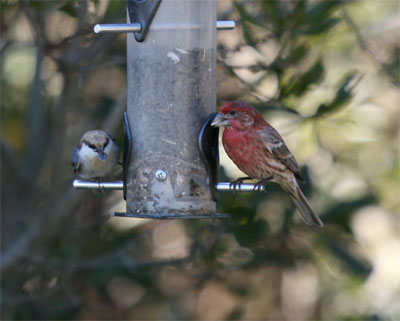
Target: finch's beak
(220,120)
(101,154)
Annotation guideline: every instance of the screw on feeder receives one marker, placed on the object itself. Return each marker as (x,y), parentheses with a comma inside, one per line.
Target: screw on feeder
(161,175)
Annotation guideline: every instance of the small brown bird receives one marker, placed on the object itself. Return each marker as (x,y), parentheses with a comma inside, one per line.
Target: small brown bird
(96,156)
(261,153)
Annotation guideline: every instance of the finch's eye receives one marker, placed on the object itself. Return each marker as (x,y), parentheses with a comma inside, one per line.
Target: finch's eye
(233,113)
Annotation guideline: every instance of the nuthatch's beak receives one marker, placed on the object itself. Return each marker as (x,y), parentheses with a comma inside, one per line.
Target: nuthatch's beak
(101,154)
(220,120)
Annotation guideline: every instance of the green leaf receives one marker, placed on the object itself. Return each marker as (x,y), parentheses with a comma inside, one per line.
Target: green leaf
(69,8)
(297,86)
(41,5)
(298,14)
(318,19)
(340,213)
(318,27)
(341,250)
(321,10)
(343,96)
(274,255)
(392,68)
(236,314)
(246,18)
(251,233)
(272,10)
(244,15)
(115,9)
(274,106)
(298,53)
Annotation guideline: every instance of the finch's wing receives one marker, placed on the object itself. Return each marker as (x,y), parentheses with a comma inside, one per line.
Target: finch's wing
(75,160)
(277,146)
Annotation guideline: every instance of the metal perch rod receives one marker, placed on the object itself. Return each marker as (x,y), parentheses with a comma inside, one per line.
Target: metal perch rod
(120,27)
(136,27)
(118,185)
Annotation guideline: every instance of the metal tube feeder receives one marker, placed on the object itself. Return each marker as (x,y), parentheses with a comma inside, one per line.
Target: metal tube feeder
(171,57)
(171,91)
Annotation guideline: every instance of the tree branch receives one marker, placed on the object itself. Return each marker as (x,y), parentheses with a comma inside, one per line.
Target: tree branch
(363,44)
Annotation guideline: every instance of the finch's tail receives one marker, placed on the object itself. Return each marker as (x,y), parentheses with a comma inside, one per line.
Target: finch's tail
(309,216)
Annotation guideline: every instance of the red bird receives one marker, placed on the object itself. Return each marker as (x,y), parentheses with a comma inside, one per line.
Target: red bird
(261,153)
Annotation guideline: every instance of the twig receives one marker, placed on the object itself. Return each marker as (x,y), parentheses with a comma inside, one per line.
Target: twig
(260,97)
(18,248)
(363,44)
(36,23)
(114,119)
(33,161)
(10,159)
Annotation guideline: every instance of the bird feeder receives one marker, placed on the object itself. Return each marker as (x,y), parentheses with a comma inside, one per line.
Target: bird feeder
(171,151)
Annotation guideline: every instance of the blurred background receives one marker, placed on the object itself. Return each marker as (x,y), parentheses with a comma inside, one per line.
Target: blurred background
(324,73)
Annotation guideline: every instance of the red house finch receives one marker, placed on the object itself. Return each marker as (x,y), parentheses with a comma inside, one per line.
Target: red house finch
(261,153)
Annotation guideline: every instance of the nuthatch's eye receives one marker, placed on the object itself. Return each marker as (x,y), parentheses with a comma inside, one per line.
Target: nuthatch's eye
(92,146)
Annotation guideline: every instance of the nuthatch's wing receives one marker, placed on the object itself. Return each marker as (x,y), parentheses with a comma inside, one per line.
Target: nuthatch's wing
(75,160)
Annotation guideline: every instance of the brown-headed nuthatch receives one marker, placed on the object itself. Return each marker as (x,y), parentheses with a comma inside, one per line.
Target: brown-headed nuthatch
(96,156)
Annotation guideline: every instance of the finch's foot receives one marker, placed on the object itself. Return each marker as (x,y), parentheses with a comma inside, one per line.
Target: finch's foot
(236,184)
(260,184)
(101,186)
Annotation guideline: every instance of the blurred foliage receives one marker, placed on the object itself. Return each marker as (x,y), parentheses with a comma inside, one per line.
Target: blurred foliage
(327,82)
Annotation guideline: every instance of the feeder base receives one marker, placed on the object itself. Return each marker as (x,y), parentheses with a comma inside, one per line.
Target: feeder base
(169,216)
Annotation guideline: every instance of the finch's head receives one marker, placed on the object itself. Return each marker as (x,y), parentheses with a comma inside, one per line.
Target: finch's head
(97,140)
(238,115)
